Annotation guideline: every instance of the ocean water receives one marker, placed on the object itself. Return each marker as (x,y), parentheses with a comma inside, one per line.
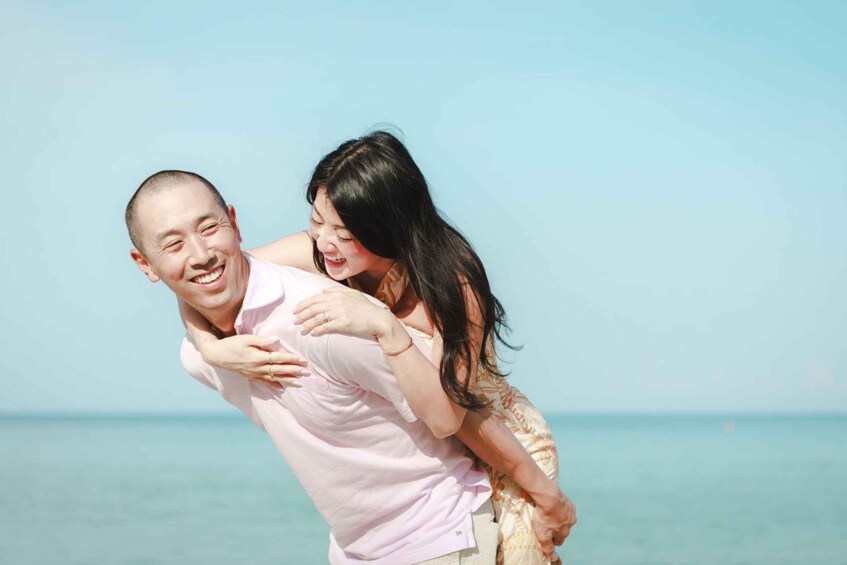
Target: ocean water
(213,490)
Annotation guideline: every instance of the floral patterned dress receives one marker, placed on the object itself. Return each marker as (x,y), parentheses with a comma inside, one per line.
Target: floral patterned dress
(512,505)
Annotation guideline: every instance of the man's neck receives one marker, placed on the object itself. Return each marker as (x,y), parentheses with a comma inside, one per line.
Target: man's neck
(225,326)
(223,319)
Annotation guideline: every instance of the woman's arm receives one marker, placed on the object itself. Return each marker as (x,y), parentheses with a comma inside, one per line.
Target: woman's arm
(419,379)
(492,442)
(495,444)
(293,250)
(247,355)
(348,311)
(254,357)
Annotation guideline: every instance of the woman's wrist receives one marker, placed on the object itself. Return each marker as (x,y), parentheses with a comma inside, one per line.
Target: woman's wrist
(391,336)
(546,493)
(206,347)
(396,352)
(386,326)
(529,476)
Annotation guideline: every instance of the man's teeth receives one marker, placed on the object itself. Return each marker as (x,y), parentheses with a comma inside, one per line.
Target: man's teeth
(213,276)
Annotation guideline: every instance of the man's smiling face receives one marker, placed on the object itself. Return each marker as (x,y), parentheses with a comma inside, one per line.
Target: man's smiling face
(192,244)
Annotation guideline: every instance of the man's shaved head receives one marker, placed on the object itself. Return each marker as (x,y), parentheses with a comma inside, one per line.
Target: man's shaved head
(162,180)
(187,238)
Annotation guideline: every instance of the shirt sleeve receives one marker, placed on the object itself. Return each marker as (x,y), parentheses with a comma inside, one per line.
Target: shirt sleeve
(362,363)
(235,389)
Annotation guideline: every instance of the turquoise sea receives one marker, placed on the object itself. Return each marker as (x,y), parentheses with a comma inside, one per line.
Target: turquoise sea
(213,490)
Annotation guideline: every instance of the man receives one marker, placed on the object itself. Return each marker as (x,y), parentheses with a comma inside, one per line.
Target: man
(391,491)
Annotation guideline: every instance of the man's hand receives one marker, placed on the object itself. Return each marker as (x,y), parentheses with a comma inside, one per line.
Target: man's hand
(552,521)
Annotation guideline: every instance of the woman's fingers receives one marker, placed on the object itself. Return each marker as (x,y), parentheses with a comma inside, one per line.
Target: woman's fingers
(263,342)
(285,358)
(254,341)
(312,323)
(329,327)
(276,372)
(271,383)
(320,315)
(311,302)
(337,310)
(324,299)
(281,382)
(259,363)
(286,382)
(332,289)
(560,535)
(312,311)
(547,547)
(283,370)
(253,361)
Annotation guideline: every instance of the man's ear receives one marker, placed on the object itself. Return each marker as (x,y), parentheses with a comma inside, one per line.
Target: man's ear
(231,212)
(143,264)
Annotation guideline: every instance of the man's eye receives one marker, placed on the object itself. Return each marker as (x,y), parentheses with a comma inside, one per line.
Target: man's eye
(210,229)
(173,245)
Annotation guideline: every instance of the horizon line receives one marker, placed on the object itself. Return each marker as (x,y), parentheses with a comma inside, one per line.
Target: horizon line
(92,414)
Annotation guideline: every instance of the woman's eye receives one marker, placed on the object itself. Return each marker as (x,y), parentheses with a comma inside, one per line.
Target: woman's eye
(345,237)
(315,221)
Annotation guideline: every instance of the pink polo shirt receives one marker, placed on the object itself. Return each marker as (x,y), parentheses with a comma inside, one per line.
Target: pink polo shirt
(391,492)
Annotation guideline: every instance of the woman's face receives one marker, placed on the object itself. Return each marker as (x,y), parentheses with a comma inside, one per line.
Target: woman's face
(344,256)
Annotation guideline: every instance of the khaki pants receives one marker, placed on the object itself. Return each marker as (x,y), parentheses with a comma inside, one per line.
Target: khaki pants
(487,535)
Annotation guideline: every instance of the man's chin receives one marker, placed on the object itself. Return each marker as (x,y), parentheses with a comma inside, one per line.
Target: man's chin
(218,301)
(205,302)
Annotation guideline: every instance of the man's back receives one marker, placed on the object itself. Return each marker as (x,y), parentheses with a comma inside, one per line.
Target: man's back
(390,491)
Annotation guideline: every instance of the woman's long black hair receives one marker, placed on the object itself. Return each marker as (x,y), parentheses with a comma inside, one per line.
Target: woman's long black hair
(383,200)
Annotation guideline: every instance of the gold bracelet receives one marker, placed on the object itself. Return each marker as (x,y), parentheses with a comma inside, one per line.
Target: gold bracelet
(399,351)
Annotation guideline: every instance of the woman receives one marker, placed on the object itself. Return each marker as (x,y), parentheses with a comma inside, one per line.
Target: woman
(374,226)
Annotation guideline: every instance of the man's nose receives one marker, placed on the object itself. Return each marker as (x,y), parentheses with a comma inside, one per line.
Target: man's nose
(200,254)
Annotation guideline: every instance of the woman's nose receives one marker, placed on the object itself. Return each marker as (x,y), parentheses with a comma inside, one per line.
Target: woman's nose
(322,239)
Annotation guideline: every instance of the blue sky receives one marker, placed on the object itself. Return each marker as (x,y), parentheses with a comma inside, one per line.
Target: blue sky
(658,190)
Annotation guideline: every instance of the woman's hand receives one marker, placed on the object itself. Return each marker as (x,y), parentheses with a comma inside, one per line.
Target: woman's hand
(255,357)
(552,520)
(343,310)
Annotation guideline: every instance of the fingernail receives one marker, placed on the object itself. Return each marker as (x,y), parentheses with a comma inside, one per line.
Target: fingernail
(304,372)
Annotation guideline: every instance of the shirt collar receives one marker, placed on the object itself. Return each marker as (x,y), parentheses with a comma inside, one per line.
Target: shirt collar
(264,289)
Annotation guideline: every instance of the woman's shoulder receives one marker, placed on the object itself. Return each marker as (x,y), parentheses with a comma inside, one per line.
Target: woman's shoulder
(293,250)
(414,314)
